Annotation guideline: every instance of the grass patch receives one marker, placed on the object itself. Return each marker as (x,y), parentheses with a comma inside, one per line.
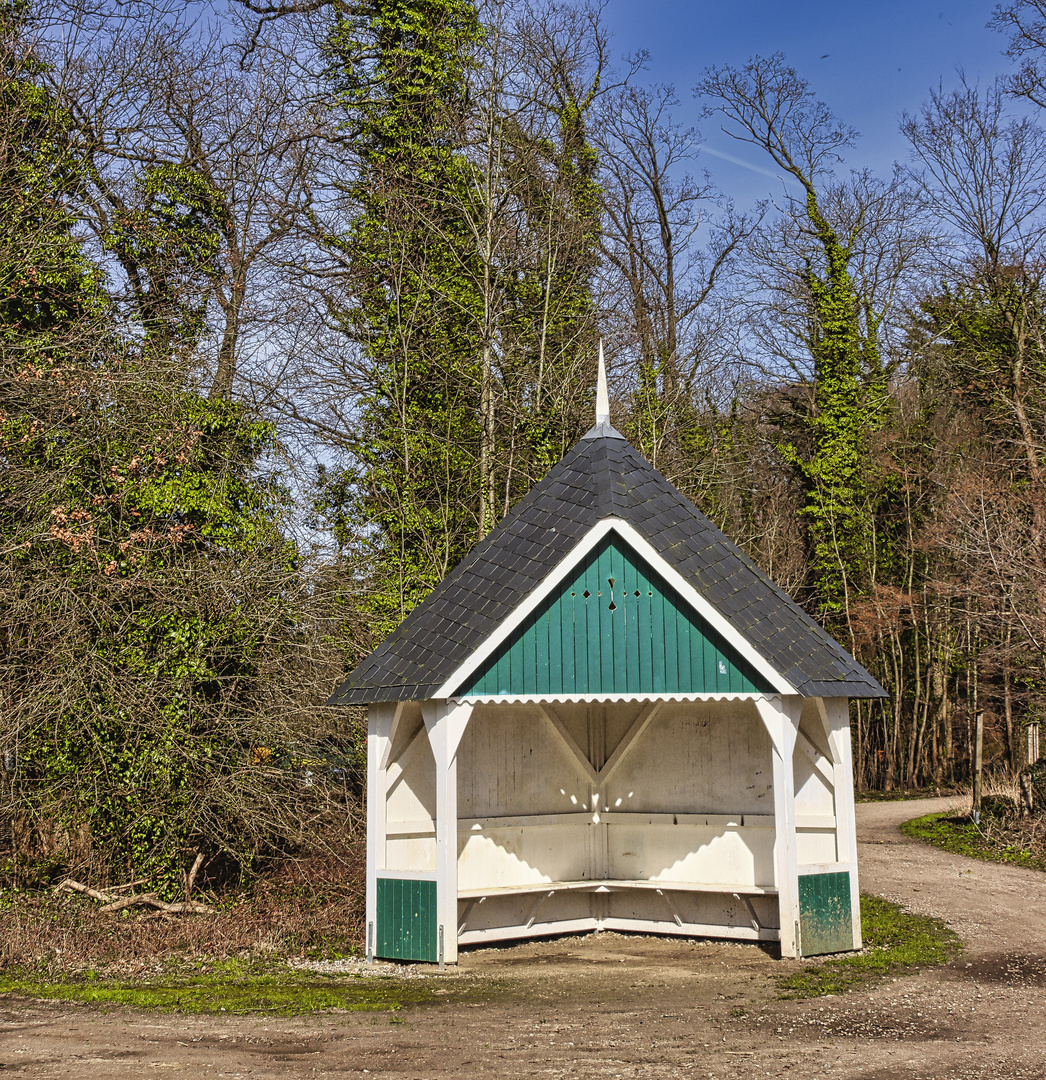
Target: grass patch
(895,939)
(234,987)
(961,836)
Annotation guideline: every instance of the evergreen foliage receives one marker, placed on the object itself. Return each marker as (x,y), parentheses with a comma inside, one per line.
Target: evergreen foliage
(467,288)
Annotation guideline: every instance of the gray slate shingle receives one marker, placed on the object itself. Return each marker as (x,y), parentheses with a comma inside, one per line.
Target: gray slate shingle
(602,476)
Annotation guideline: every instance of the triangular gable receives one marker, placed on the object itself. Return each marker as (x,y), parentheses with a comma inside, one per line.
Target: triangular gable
(614,626)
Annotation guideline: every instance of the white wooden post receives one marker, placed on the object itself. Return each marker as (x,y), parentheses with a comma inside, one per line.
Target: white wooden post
(445,723)
(836,717)
(780,716)
(380,722)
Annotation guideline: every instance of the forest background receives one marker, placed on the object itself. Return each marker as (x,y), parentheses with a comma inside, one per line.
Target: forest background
(298,299)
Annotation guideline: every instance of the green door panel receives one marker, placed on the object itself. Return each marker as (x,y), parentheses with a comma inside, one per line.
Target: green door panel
(406,919)
(825,916)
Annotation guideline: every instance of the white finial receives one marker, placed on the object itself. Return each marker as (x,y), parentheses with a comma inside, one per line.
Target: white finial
(602,398)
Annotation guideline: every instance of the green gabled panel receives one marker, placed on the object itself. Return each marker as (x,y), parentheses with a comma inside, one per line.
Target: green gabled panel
(406,919)
(825,914)
(616,627)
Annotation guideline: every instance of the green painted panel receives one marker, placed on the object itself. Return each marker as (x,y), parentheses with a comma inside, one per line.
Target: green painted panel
(606,620)
(657,636)
(530,650)
(590,596)
(406,920)
(825,916)
(615,627)
(644,676)
(544,650)
(576,675)
(709,658)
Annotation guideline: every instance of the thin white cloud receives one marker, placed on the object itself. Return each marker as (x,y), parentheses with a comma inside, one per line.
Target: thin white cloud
(706,149)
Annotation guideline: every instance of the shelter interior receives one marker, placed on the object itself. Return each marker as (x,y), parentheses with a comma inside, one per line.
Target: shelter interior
(666,816)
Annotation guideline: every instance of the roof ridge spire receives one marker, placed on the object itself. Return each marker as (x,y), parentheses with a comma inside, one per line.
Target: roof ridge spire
(602,397)
(602,428)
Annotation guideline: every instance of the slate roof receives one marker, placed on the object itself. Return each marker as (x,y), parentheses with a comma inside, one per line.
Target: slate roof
(602,476)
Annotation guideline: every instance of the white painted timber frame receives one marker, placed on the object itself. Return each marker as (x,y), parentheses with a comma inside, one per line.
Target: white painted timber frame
(381,723)
(781,716)
(599,777)
(445,723)
(555,578)
(835,716)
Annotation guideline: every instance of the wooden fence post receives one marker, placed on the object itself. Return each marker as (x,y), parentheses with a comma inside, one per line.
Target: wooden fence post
(978,766)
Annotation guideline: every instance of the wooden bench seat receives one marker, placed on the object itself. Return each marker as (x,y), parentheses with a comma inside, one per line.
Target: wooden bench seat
(616,885)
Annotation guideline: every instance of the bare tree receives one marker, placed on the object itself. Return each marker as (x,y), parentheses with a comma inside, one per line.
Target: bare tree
(180,124)
(670,240)
(889,244)
(1024,21)
(984,172)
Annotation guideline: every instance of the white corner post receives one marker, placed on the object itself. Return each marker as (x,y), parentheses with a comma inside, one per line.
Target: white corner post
(836,720)
(780,716)
(445,723)
(380,723)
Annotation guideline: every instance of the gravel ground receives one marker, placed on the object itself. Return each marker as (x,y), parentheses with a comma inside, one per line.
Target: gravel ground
(358,967)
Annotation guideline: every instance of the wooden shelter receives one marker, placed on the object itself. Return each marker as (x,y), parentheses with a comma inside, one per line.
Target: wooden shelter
(607,717)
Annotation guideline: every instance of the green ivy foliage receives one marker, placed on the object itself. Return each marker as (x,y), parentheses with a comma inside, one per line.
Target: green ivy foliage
(171,245)
(846,412)
(473,361)
(398,69)
(45,280)
(147,607)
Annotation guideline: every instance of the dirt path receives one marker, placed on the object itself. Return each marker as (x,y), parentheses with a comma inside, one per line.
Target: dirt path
(613,1006)
(991,906)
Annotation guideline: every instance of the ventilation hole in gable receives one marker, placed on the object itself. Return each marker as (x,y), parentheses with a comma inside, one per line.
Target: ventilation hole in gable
(573,594)
(611,581)
(586,594)
(613,606)
(637,592)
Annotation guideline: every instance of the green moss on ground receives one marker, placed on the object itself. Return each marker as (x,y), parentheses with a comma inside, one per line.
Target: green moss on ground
(237,988)
(895,941)
(904,794)
(960,836)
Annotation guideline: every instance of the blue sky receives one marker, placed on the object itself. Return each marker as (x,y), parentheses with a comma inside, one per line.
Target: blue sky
(869,61)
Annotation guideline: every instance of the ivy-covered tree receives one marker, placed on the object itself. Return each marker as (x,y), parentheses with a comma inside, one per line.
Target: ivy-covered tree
(170,241)
(45,280)
(767,104)
(398,71)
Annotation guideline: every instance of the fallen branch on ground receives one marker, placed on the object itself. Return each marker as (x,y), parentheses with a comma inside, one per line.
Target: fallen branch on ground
(149,899)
